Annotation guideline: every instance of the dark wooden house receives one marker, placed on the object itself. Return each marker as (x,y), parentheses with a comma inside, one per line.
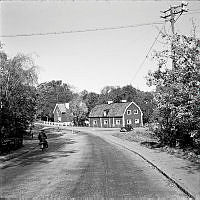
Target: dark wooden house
(116,115)
(62,113)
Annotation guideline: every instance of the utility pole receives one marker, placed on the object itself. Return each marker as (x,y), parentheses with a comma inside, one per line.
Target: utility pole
(172,20)
(171,13)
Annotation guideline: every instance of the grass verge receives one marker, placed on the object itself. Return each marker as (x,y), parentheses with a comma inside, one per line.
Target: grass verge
(148,139)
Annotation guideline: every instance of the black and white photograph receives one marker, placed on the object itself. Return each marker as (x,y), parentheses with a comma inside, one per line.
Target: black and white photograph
(99,100)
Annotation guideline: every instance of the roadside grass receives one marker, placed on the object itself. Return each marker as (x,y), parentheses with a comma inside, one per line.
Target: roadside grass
(148,139)
(141,135)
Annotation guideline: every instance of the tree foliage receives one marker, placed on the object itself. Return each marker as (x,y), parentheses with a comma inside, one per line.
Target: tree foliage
(17,94)
(50,93)
(91,100)
(79,110)
(177,90)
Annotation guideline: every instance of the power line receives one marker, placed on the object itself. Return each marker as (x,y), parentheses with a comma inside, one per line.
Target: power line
(88,30)
(156,38)
(195,9)
(142,64)
(190,13)
(178,17)
(80,31)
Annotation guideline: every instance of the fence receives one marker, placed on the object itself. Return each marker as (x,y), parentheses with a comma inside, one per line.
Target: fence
(57,123)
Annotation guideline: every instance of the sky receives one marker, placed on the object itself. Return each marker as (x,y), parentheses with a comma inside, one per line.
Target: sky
(90,60)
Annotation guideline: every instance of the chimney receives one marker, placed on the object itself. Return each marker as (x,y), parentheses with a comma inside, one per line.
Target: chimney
(123,101)
(67,105)
(109,102)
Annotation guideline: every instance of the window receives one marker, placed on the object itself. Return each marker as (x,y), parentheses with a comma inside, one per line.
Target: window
(128,112)
(105,113)
(117,122)
(128,121)
(95,122)
(135,112)
(105,122)
(137,121)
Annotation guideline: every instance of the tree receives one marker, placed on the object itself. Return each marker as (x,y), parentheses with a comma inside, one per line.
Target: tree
(115,95)
(147,104)
(177,90)
(79,110)
(129,93)
(91,100)
(104,96)
(50,93)
(18,94)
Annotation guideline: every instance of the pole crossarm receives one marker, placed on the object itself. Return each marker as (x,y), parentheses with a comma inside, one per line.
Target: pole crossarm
(171,14)
(174,10)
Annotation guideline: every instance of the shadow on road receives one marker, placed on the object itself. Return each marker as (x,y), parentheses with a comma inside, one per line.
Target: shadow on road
(39,157)
(43,157)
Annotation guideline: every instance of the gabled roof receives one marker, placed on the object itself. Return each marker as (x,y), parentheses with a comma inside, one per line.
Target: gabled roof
(114,109)
(61,107)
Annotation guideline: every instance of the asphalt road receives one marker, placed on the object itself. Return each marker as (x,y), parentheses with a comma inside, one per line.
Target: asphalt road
(83,166)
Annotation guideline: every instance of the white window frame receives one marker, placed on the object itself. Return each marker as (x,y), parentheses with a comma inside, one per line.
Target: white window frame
(105,122)
(105,113)
(128,112)
(137,121)
(118,122)
(59,119)
(135,112)
(94,122)
(128,121)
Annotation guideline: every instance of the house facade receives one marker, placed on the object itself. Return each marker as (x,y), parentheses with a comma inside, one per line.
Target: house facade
(116,115)
(62,113)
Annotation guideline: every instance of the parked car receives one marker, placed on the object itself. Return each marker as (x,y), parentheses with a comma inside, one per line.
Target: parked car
(126,128)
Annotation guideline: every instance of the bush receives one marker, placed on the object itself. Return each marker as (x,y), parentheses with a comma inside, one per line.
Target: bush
(177,91)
